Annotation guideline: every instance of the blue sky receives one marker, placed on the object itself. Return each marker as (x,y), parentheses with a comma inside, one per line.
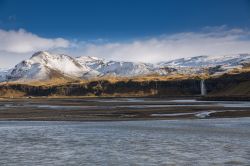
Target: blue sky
(104,28)
(119,19)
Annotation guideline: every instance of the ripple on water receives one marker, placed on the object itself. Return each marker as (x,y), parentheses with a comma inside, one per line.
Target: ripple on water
(176,142)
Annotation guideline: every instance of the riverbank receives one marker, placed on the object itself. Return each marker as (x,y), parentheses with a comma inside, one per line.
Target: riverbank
(118,109)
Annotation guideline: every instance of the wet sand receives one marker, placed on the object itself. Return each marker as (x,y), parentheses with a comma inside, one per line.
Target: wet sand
(118,109)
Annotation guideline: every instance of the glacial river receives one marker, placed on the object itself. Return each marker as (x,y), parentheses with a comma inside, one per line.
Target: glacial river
(191,108)
(202,142)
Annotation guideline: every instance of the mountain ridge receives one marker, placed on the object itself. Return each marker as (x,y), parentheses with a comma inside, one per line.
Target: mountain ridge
(44,66)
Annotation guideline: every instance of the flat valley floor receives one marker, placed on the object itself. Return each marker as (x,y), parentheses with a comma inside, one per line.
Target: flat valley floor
(116,109)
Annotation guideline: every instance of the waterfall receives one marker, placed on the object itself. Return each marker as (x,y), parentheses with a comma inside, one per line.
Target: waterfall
(203,88)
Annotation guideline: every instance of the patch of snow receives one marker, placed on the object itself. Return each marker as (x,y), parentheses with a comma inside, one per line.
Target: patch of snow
(204,114)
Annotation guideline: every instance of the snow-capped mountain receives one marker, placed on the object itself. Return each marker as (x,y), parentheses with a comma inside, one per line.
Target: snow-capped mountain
(211,64)
(116,68)
(208,61)
(126,68)
(43,65)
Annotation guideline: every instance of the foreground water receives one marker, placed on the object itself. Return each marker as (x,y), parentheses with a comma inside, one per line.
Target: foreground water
(175,142)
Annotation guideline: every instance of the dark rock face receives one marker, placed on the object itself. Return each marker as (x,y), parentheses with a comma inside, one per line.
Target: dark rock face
(213,70)
(189,87)
(99,88)
(226,81)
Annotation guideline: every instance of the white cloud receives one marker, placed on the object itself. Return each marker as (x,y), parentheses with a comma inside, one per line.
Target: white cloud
(221,40)
(209,41)
(21,41)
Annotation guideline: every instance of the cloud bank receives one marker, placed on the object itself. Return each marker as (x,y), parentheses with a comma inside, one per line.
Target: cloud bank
(21,41)
(209,41)
(20,44)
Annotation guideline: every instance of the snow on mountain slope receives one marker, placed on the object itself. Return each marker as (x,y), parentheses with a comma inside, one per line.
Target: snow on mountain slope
(126,68)
(44,65)
(3,74)
(208,61)
(92,62)
(214,65)
(116,68)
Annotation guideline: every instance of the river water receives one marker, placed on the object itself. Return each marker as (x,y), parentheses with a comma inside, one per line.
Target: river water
(173,142)
(196,108)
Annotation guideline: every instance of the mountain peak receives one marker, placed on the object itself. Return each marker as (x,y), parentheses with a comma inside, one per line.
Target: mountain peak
(88,58)
(43,64)
(40,53)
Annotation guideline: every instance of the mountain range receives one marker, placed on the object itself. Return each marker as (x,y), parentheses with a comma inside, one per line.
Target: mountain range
(44,66)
